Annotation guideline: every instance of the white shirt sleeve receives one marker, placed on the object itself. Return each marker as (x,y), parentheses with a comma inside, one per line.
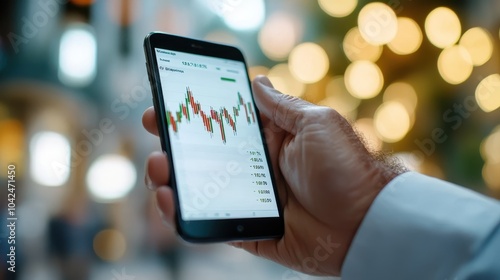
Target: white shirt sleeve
(420,227)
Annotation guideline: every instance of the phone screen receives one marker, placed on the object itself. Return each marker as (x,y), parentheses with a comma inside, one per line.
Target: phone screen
(220,165)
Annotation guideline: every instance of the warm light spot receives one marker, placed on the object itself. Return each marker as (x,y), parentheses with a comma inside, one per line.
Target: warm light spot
(308,62)
(488,93)
(50,158)
(455,65)
(110,245)
(490,147)
(111,177)
(377,23)
(442,27)
(11,142)
(284,81)
(82,2)
(491,175)
(392,121)
(403,93)
(408,38)
(363,79)
(357,48)
(479,44)
(410,160)
(278,36)
(367,129)
(338,98)
(255,71)
(338,8)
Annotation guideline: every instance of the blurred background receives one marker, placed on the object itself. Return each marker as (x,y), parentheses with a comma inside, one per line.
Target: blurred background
(419,79)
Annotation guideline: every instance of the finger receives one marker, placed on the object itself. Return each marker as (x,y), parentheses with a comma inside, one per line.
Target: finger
(165,205)
(284,110)
(157,170)
(149,121)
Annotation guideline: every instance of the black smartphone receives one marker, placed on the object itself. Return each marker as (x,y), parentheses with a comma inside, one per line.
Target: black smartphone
(210,129)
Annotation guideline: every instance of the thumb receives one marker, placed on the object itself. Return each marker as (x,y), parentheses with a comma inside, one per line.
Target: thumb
(282,109)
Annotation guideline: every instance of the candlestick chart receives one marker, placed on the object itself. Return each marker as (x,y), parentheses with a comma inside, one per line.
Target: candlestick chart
(214,120)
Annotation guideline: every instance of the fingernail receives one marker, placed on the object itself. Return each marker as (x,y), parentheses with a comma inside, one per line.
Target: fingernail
(147,181)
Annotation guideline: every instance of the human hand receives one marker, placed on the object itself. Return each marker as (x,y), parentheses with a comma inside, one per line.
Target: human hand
(326,181)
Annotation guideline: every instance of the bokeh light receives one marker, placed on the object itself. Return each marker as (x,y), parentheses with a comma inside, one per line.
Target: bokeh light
(488,93)
(455,65)
(278,36)
(243,15)
(12,143)
(110,245)
(491,175)
(490,147)
(357,48)
(403,93)
(377,23)
(338,98)
(77,56)
(111,177)
(392,121)
(255,71)
(408,38)
(443,27)
(479,44)
(284,81)
(50,158)
(366,128)
(338,8)
(308,62)
(363,79)
(82,2)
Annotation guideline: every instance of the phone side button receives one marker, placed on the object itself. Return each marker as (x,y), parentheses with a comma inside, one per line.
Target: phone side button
(149,74)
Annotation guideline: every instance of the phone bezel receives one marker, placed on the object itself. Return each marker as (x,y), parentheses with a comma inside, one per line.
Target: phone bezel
(206,230)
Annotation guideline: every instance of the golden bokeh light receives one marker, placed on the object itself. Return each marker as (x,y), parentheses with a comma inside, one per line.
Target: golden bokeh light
(479,44)
(338,98)
(408,38)
(357,48)
(338,8)
(278,36)
(367,130)
(363,79)
(308,63)
(377,23)
(490,147)
(255,71)
(110,245)
(284,81)
(403,93)
(443,27)
(491,175)
(392,121)
(455,65)
(11,142)
(488,93)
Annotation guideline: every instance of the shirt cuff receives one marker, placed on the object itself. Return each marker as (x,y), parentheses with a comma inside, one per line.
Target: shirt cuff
(420,227)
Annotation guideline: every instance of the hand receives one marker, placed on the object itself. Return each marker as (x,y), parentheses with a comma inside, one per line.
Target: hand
(326,180)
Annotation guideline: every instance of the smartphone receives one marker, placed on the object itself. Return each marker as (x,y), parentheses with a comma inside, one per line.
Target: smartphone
(210,129)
